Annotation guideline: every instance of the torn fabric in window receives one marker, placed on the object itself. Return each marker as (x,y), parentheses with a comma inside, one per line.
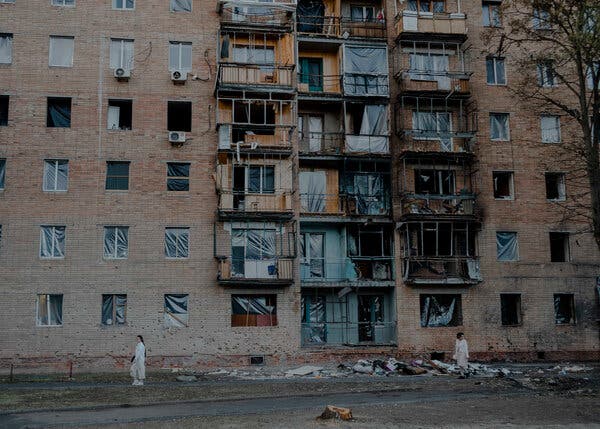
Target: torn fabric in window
(59,113)
(440,310)
(312,191)
(113,309)
(507,246)
(253,310)
(499,126)
(52,242)
(116,242)
(49,310)
(365,71)
(369,194)
(373,132)
(176,310)
(177,242)
(311,14)
(56,173)
(313,316)
(6,48)
(181,5)
(564,308)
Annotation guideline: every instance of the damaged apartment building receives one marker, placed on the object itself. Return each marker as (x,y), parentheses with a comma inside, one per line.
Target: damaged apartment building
(274,181)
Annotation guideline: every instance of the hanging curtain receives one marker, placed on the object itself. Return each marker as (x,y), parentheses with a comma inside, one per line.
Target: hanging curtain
(59,115)
(5,48)
(61,51)
(312,191)
(506,245)
(435,313)
(56,304)
(366,71)
(368,190)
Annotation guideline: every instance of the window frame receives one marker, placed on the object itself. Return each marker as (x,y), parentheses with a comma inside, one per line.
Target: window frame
(507,115)
(109,163)
(181,178)
(114,7)
(566,244)
(181,11)
(573,311)
(37,310)
(546,75)
(11,37)
(54,241)
(121,49)
(519,309)
(2,174)
(114,309)
(119,102)
(180,46)
(59,100)
(518,256)
(115,255)
(180,231)
(51,51)
(56,163)
(185,323)
(270,298)
(563,179)
(495,61)
(490,5)
(558,129)
(61,3)
(511,185)
(4,101)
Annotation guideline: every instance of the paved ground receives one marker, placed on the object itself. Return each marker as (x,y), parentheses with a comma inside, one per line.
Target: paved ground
(536,398)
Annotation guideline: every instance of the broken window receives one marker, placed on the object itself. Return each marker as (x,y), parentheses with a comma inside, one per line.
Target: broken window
(564,308)
(369,241)
(440,239)
(365,71)
(491,13)
(441,310)
(550,126)
(362,14)
(59,112)
(2,172)
(61,51)
(114,309)
(176,310)
(433,125)
(119,114)
(495,71)
(123,4)
(63,2)
(178,176)
(313,188)
(52,242)
(121,54)
(49,310)
(4,110)
(181,6)
(436,182)
(116,242)
(179,116)
(254,54)
(253,310)
(559,247)
(503,185)
(435,6)
(257,112)
(510,309)
(117,175)
(314,318)
(507,246)
(312,252)
(555,186)
(253,253)
(370,129)
(177,242)
(499,128)
(370,314)
(6,41)
(56,175)
(541,19)
(546,74)
(180,56)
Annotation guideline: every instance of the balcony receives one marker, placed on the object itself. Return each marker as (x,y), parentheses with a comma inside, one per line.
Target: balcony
(319,85)
(313,143)
(268,76)
(246,205)
(348,333)
(262,272)
(363,271)
(336,26)
(255,139)
(450,270)
(423,82)
(410,22)
(259,15)
(438,205)
(317,204)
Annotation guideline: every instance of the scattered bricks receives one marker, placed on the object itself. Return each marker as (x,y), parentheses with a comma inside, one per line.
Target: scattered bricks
(413,370)
(333,412)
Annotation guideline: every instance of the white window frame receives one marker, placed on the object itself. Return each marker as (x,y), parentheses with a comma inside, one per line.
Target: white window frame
(54,241)
(511,185)
(114,5)
(62,3)
(37,309)
(495,61)
(556,118)
(178,231)
(7,1)
(489,5)
(115,254)
(180,46)
(54,163)
(51,51)
(9,37)
(121,53)
(507,115)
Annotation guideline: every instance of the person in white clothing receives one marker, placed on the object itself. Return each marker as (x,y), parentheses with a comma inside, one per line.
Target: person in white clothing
(138,365)
(461,354)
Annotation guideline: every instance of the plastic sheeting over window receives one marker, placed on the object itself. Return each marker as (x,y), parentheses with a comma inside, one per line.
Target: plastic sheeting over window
(123,4)
(507,246)
(365,71)
(56,175)
(310,16)
(499,126)
(253,310)
(178,176)
(177,242)
(59,113)
(113,309)
(52,242)
(6,48)
(373,136)
(116,242)
(2,172)
(61,51)
(49,310)
(181,5)
(440,310)
(564,308)
(313,191)
(313,314)
(176,310)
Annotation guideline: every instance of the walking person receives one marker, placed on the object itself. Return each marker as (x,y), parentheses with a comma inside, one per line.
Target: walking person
(138,363)
(461,355)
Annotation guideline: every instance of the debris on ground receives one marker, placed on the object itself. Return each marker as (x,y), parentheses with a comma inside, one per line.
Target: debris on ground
(333,412)
(187,378)
(304,370)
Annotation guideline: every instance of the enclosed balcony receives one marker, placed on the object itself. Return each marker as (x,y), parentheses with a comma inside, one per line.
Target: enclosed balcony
(254,187)
(319,73)
(366,71)
(432,17)
(338,317)
(427,67)
(439,253)
(253,60)
(436,124)
(276,16)
(255,253)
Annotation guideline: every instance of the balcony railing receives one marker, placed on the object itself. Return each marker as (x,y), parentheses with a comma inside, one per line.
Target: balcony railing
(275,270)
(345,204)
(253,74)
(279,140)
(441,270)
(425,81)
(360,84)
(426,22)
(355,269)
(231,201)
(336,26)
(430,141)
(426,204)
(261,15)
(346,333)
(370,144)
(319,83)
(338,143)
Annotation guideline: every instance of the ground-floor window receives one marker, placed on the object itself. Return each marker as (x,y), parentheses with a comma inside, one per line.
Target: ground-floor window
(114,309)
(49,310)
(176,310)
(253,310)
(441,310)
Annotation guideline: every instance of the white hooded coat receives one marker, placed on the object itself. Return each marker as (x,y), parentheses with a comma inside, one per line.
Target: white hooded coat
(461,353)
(138,367)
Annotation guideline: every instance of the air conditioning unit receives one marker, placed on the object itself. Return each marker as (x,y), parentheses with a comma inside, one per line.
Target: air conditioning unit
(176,137)
(178,76)
(122,73)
